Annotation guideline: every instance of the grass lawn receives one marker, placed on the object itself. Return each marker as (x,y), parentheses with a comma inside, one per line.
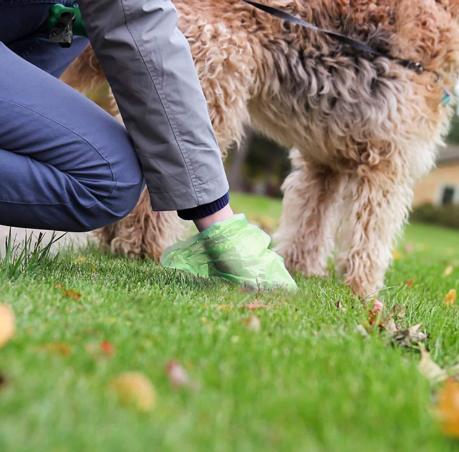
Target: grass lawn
(306,381)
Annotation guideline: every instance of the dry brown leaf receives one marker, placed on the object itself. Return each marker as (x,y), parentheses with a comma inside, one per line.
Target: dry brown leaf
(409,336)
(378,306)
(448,405)
(72,294)
(7,324)
(450,297)
(57,348)
(429,368)
(92,350)
(178,376)
(448,270)
(402,313)
(406,337)
(92,267)
(340,306)
(432,370)
(253,324)
(257,304)
(107,348)
(135,389)
(362,331)
(390,326)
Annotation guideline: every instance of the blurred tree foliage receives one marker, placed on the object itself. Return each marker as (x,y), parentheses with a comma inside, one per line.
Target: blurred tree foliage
(265,166)
(454,134)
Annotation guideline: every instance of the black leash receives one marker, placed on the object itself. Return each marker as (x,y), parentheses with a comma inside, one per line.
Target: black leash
(357,45)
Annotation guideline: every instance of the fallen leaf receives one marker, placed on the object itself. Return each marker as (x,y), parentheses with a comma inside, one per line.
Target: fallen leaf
(395,310)
(253,324)
(92,350)
(340,306)
(432,370)
(135,389)
(376,314)
(77,261)
(448,405)
(178,376)
(57,348)
(92,267)
(107,348)
(429,368)
(362,331)
(377,307)
(406,337)
(72,294)
(255,305)
(410,283)
(448,270)
(390,326)
(450,297)
(7,324)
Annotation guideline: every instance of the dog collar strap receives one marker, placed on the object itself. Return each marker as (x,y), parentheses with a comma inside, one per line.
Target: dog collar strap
(357,45)
(446,99)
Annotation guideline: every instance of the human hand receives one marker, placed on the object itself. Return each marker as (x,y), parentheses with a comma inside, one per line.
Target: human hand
(233,250)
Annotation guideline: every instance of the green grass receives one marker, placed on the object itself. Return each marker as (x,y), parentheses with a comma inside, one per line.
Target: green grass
(307,381)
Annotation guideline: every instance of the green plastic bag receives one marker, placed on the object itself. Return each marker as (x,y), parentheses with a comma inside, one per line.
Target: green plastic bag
(233,250)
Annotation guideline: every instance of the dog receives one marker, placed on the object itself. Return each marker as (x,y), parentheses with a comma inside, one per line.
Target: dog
(363,129)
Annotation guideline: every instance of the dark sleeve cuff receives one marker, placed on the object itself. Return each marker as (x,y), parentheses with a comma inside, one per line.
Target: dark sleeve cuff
(196,213)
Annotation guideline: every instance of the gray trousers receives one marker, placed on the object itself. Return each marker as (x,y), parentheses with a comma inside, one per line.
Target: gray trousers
(149,66)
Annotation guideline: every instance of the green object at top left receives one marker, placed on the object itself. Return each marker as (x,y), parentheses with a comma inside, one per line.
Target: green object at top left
(57,10)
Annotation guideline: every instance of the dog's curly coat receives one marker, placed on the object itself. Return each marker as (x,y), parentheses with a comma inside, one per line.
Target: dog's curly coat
(363,129)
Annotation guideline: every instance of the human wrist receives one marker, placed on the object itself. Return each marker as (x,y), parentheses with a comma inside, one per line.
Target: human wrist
(204,210)
(224,214)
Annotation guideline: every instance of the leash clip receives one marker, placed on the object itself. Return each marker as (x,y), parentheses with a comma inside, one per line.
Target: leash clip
(64,22)
(62,32)
(416,67)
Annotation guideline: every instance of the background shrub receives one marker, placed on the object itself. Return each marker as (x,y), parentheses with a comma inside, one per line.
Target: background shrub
(447,216)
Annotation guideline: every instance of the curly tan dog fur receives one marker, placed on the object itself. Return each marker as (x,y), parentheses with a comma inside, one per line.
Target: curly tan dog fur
(363,129)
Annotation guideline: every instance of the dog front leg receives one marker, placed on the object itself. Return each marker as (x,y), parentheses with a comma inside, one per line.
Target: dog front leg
(375,207)
(305,235)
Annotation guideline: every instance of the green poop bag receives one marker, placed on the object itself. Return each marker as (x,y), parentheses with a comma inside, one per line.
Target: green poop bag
(233,250)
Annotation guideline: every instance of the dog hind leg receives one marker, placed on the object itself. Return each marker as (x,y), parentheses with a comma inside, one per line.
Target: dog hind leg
(305,235)
(375,208)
